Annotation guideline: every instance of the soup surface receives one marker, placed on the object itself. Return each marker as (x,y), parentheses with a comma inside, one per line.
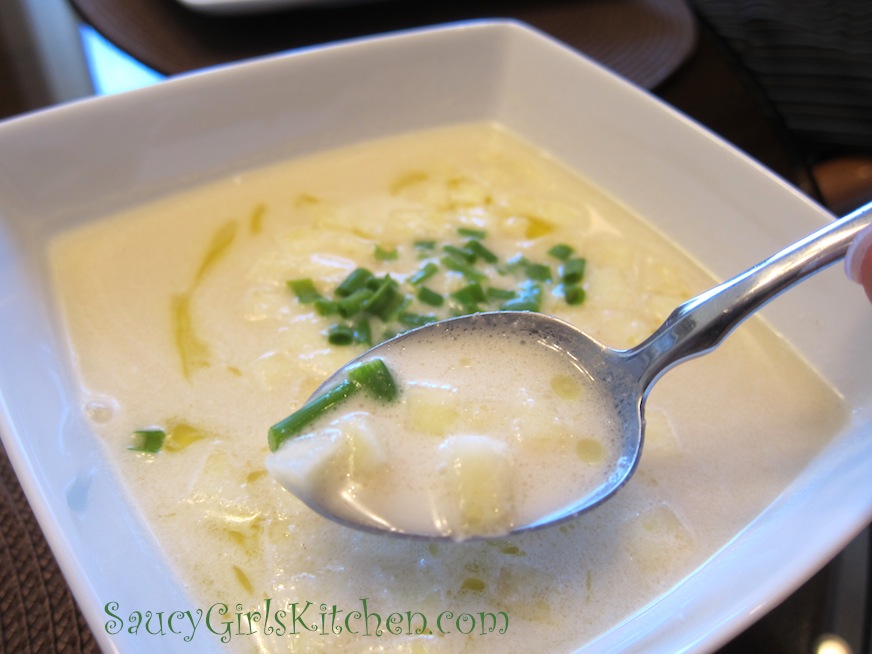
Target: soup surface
(183,326)
(477,432)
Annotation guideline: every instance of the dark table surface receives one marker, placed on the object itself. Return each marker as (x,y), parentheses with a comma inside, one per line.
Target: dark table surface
(659,44)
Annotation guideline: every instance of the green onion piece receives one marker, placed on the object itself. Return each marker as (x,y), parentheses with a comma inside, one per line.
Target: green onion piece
(425,245)
(471,233)
(386,299)
(464,269)
(494,293)
(481,251)
(374,377)
(305,291)
(573,295)
(463,255)
(539,272)
(410,319)
(424,274)
(340,334)
(561,251)
(529,299)
(148,440)
(357,279)
(326,307)
(470,295)
(386,255)
(313,409)
(362,331)
(351,305)
(572,272)
(430,297)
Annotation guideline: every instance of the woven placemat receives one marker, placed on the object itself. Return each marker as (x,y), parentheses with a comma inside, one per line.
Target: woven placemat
(38,614)
(643,40)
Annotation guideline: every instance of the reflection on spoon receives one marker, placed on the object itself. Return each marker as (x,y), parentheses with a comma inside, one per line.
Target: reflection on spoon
(543,422)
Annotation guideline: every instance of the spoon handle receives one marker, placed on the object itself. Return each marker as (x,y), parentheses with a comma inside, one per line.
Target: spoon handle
(700,324)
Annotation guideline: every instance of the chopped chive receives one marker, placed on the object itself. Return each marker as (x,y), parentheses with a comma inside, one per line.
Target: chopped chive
(305,290)
(481,251)
(561,251)
(326,307)
(572,271)
(374,377)
(362,331)
(410,319)
(425,245)
(340,334)
(494,293)
(314,408)
(430,297)
(539,272)
(352,304)
(357,279)
(529,299)
(424,273)
(573,295)
(470,295)
(464,269)
(386,299)
(148,440)
(471,233)
(383,254)
(464,255)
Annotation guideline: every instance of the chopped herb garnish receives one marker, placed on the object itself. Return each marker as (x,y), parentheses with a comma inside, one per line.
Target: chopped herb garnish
(425,273)
(464,255)
(428,296)
(357,279)
(561,251)
(340,334)
(305,290)
(149,441)
(539,272)
(351,305)
(468,271)
(572,271)
(386,300)
(470,295)
(494,293)
(375,307)
(574,295)
(373,377)
(529,299)
(382,254)
(481,251)
(313,409)
(471,233)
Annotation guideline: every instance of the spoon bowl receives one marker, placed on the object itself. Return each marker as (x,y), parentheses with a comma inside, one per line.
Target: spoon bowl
(625,376)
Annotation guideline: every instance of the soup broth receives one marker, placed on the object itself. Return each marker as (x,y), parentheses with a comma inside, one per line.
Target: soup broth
(181,322)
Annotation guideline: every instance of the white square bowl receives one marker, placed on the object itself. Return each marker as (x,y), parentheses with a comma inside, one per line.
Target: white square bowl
(76,163)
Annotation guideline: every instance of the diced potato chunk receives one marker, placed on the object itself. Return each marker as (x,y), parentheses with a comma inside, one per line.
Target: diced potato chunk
(657,540)
(325,461)
(478,494)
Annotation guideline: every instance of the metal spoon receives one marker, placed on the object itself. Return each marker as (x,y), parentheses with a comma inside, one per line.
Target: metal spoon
(694,328)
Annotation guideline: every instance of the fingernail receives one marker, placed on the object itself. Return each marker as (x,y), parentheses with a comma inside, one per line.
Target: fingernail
(856,253)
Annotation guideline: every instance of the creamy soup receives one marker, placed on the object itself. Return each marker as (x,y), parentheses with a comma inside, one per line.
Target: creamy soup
(484,431)
(190,344)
